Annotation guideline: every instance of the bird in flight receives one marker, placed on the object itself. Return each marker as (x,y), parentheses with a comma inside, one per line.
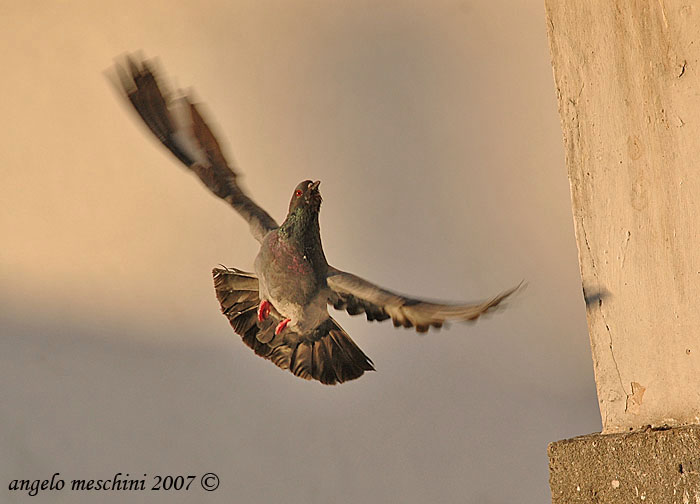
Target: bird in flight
(281,310)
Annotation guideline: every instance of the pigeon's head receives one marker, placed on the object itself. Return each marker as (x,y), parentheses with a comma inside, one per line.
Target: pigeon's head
(306,196)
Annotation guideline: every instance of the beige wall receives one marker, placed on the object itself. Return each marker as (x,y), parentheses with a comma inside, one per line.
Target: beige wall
(628,99)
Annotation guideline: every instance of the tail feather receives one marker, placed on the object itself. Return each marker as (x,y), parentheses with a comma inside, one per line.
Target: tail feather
(328,355)
(353,361)
(322,359)
(281,356)
(302,362)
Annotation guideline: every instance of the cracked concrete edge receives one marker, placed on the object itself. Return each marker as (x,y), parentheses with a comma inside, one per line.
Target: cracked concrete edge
(610,392)
(600,350)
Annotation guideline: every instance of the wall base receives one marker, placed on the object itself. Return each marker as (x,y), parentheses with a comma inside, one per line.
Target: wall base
(652,466)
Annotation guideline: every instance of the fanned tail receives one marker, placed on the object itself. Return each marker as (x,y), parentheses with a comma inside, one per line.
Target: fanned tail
(328,355)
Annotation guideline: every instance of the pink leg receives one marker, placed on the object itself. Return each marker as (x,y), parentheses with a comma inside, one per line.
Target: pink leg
(281,326)
(263,310)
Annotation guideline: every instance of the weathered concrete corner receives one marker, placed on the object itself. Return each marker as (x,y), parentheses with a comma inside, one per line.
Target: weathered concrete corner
(655,466)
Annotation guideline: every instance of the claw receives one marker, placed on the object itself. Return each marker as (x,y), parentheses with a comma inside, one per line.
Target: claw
(263,310)
(281,326)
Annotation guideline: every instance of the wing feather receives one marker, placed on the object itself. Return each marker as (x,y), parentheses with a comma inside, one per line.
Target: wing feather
(179,125)
(356,295)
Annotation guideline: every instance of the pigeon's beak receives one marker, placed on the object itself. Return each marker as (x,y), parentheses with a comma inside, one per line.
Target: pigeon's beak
(313,195)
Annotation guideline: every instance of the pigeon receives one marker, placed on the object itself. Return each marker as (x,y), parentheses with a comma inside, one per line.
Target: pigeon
(281,310)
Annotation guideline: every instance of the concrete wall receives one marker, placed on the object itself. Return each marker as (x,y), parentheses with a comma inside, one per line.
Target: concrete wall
(628,83)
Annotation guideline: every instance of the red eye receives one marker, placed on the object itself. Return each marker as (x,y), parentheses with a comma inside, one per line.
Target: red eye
(297,193)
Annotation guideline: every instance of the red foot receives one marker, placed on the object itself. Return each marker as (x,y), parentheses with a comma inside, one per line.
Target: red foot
(263,310)
(282,325)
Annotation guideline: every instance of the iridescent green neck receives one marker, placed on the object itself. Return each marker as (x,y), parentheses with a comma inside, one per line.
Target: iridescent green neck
(301,229)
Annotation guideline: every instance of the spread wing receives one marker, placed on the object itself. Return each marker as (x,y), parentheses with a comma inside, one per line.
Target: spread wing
(179,125)
(356,295)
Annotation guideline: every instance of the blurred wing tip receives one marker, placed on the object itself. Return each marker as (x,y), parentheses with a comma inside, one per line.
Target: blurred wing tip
(120,79)
(124,71)
(514,290)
